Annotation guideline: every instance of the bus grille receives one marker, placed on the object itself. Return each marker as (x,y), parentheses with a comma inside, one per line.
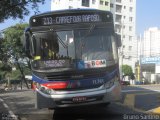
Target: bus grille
(74,76)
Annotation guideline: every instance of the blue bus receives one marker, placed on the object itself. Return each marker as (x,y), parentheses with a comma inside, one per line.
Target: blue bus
(74,58)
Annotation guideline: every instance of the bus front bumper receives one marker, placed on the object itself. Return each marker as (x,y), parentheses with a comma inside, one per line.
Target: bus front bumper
(78,98)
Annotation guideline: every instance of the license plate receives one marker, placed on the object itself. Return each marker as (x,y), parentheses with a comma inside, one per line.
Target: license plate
(79,99)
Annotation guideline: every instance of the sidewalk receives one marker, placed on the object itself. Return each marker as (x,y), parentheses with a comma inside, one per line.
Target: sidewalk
(5,91)
(147,85)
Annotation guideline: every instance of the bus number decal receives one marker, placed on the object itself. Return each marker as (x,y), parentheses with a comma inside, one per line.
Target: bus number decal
(47,21)
(98,81)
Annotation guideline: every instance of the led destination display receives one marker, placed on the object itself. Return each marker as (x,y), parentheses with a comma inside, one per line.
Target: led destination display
(70,18)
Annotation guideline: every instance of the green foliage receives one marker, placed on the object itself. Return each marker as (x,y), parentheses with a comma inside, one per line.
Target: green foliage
(12,45)
(127,70)
(15,75)
(12,54)
(6,68)
(13,9)
(27,71)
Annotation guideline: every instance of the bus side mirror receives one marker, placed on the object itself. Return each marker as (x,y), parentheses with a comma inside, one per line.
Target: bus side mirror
(26,44)
(118,40)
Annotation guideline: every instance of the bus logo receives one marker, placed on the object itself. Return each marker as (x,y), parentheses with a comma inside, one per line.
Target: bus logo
(95,63)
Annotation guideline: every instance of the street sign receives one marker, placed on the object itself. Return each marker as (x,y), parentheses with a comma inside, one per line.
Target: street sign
(149,60)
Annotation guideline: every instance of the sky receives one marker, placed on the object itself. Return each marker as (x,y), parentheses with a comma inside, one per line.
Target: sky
(147,15)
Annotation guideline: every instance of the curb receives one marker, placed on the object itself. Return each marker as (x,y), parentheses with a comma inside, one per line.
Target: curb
(154,111)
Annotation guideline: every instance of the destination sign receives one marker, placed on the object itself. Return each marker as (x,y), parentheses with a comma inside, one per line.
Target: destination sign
(70,19)
(57,19)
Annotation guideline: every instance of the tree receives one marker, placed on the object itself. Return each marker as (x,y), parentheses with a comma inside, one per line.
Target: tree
(127,70)
(11,49)
(17,8)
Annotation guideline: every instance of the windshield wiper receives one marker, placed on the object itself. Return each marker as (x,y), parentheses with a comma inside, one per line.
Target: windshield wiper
(61,41)
(91,28)
(83,43)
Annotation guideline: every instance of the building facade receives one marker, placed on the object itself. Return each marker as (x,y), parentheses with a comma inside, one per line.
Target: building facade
(124,13)
(71,4)
(149,55)
(151,43)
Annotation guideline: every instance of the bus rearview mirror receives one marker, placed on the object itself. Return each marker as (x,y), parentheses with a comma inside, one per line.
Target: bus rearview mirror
(26,43)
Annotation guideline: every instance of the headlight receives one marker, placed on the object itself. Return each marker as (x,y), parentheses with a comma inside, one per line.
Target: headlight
(45,89)
(50,87)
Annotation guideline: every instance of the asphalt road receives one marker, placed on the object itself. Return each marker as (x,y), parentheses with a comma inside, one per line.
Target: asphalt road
(143,97)
(137,103)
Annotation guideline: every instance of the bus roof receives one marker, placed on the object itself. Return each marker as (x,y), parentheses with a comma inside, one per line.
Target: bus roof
(64,11)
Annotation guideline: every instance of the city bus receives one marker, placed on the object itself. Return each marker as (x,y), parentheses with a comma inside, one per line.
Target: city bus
(74,58)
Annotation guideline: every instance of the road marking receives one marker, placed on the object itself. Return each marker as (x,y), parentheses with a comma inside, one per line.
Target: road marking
(156,90)
(152,85)
(11,114)
(149,93)
(147,90)
(155,110)
(143,93)
(124,91)
(5,105)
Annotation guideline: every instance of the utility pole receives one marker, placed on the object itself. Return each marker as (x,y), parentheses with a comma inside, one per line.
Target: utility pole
(121,52)
(140,68)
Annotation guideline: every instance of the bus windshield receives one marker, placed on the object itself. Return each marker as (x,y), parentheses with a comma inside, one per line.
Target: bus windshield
(74,49)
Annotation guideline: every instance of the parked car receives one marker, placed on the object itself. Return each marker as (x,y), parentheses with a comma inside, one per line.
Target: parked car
(125,83)
(139,82)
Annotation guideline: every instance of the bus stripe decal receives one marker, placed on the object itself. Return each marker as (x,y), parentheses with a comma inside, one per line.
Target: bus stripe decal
(84,82)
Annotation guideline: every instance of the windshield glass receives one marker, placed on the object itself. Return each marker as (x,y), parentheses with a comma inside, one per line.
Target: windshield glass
(74,49)
(94,47)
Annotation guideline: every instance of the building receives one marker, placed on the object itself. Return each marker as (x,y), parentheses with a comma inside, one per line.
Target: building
(124,13)
(151,42)
(71,4)
(150,55)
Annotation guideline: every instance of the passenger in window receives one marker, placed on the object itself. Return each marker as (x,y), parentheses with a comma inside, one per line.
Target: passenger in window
(45,51)
(49,53)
